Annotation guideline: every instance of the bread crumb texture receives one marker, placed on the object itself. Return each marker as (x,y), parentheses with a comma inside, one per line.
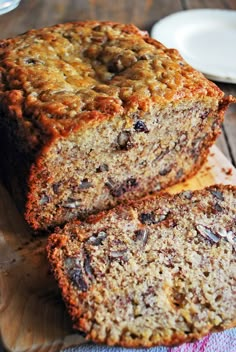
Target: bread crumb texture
(160,271)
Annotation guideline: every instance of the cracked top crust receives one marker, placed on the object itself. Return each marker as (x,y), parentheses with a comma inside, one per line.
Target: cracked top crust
(64,77)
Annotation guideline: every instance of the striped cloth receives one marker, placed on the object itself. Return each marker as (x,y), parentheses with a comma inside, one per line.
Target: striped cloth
(218,342)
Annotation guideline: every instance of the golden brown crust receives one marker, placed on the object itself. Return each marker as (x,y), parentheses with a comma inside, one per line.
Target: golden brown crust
(40,83)
(93,219)
(185,248)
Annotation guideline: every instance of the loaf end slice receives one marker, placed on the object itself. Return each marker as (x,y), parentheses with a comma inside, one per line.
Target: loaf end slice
(160,271)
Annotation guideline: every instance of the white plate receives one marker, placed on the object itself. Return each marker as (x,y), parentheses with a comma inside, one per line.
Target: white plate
(206,38)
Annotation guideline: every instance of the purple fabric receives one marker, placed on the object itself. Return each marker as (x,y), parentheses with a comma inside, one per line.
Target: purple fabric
(219,342)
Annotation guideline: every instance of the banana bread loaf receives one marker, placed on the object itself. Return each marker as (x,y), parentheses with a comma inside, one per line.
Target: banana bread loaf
(160,271)
(96,113)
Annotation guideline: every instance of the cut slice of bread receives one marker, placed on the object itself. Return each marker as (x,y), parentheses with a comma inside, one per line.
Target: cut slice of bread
(160,271)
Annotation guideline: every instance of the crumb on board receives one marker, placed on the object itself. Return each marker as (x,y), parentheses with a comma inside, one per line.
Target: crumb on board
(228,171)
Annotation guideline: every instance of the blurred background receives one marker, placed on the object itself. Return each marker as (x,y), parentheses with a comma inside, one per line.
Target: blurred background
(143,13)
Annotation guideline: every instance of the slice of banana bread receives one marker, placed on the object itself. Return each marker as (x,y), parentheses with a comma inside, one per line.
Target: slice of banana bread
(96,113)
(160,271)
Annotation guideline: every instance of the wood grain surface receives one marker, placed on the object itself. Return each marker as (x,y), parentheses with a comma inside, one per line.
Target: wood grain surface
(32,314)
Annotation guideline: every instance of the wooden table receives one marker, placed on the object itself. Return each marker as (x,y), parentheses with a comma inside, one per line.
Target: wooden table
(143,13)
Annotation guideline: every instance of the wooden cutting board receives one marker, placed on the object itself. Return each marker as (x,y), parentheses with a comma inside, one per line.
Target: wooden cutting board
(32,314)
